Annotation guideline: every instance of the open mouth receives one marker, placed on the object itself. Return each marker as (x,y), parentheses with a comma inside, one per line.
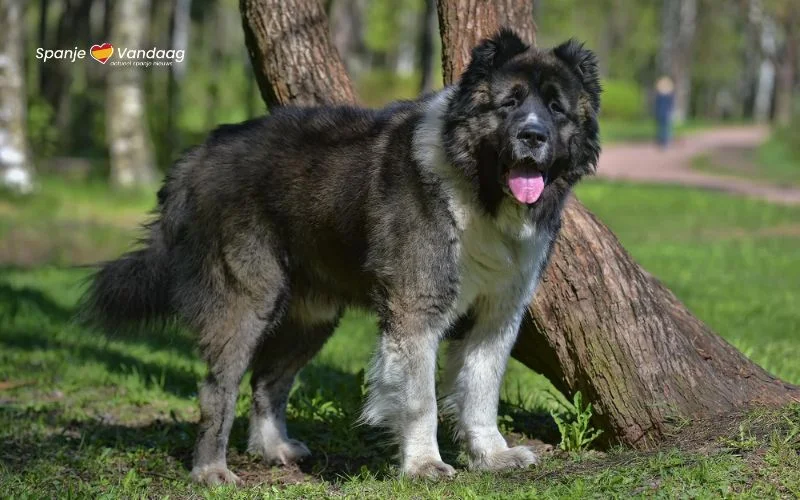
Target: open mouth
(526,186)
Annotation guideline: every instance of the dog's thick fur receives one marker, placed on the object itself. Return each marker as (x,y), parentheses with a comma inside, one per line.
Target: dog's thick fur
(271,227)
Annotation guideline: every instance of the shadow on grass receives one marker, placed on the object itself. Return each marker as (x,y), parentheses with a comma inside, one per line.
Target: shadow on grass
(323,410)
(33,321)
(322,415)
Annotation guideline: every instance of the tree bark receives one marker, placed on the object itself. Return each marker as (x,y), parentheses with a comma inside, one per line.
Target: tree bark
(131,150)
(293,57)
(16,169)
(599,323)
(463,23)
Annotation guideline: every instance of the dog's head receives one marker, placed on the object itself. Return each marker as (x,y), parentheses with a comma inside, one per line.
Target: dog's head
(523,119)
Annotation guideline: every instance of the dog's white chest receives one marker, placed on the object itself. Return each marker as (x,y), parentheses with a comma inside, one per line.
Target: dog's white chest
(496,265)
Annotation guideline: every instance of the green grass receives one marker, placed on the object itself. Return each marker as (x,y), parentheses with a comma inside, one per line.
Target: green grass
(726,257)
(85,415)
(776,161)
(642,130)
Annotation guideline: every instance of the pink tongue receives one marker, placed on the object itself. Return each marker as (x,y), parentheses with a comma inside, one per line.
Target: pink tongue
(526,187)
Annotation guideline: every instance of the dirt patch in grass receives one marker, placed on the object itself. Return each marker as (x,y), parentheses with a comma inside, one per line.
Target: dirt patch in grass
(738,160)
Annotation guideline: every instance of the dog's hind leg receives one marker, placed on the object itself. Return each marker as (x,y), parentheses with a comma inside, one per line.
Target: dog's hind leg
(232,322)
(281,356)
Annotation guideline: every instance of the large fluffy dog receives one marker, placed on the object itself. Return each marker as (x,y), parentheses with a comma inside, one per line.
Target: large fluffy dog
(439,214)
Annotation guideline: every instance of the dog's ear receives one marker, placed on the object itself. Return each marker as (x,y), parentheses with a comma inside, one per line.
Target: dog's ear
(583,63)
(492,53)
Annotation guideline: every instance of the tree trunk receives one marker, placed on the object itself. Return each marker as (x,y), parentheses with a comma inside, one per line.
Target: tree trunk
(599,323)
(16,169)
(179,40)
(428,26)
(784,88)
(215,37)
(129,141)
(463,23)
(765,26)
(602,325)
(56,77)
(44,7)
(347,33)
(679,19)
(293,57)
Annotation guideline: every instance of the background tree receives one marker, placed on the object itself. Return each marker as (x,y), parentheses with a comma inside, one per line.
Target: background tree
(429,24)
(679,20)
(765,40)
(130,147)
(788,19)
(57,78)
(179,40)
(599,323)
(293,58)
(347,33)
(16,167)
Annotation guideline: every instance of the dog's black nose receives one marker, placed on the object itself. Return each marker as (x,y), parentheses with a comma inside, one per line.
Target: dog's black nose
(534,134)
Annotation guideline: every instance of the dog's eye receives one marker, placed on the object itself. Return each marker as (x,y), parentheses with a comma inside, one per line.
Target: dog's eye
(511,102)
(555,108)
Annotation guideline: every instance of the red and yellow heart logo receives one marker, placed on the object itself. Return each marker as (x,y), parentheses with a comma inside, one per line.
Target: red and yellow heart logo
(102,53)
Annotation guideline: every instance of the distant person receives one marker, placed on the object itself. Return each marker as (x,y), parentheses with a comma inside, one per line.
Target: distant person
(665,101)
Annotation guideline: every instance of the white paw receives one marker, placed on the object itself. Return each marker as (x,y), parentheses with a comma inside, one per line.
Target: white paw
(211,475)
(428,469)
(285,453)
(519,457)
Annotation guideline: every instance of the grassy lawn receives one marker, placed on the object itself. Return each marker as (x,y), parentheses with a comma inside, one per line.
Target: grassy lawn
(774,162)
(643,130)
(86,415)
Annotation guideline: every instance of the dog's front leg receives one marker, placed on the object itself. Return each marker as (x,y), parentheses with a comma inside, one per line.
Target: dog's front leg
(473,378)
(402,393)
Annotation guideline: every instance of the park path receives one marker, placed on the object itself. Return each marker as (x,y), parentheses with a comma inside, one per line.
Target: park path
(645,162)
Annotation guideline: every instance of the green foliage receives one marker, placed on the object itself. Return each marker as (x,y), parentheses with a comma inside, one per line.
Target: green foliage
(43,137)
(622,100)
(625,35)
(779,157)
(788,140)
(642,129)
(575,426)
(378,87)
(388,23)
(731,260)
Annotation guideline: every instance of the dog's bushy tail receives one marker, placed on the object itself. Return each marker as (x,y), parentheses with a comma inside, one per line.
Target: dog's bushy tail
(131,291)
